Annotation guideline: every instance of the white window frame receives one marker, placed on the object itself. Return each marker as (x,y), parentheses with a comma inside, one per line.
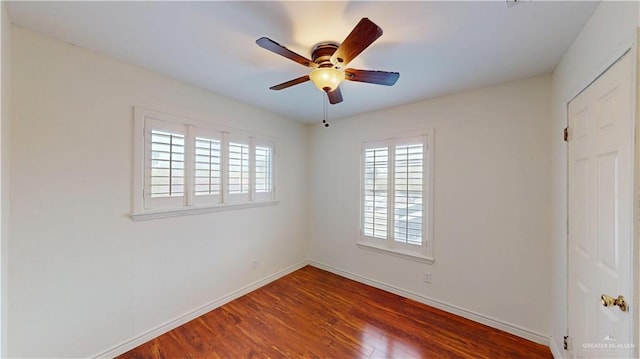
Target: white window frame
(423,252)
(145,207)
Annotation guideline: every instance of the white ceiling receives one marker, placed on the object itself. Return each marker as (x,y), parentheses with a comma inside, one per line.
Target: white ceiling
(438,47)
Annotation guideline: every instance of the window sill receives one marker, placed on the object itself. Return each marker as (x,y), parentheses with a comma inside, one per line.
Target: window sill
(192,210)
(420,257)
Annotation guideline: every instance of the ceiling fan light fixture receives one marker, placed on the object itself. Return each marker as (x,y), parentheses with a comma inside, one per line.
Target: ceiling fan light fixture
(329,60)
(326,79)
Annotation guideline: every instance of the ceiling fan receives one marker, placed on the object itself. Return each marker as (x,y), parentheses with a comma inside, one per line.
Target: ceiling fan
(329,59)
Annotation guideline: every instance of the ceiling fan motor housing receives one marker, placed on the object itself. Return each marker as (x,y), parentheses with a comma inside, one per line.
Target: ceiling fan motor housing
(322,52)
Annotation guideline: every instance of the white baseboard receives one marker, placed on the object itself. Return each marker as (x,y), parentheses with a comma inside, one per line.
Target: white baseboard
(178,321)
(483,319)
(555,351)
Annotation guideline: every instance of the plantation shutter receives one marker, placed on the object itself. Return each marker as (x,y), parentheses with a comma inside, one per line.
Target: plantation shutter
(206,167)
(408,193)
(238,170)
(263,171)
(376,187)
(164,163)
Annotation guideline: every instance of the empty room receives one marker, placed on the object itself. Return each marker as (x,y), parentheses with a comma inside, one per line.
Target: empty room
(299,179)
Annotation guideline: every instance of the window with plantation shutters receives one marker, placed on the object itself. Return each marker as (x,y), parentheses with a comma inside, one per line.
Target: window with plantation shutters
(396,208)
(238,168)
(186,166)
(164,164)
(263,170)
(207,167)
(408,194)
(167,164)
(376,185)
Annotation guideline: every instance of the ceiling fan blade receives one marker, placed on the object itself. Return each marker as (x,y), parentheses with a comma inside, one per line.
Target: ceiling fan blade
(335,96)
(290,83)
(273,46)
(372,77)
(363,35)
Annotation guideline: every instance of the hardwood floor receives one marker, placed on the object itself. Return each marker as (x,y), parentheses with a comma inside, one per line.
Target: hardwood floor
(312,313)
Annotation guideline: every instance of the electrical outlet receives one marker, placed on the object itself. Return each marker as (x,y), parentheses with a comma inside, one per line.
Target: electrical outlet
(427,277)
(254,263)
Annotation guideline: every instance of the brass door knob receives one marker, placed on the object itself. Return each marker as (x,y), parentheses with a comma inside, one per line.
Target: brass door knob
(609,301)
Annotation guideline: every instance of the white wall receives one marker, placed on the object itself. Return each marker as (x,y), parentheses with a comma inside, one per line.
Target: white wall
(83,276)
(604,38)
(491,202)
(5,105)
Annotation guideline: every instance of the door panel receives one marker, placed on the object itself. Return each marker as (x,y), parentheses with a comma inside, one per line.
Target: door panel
(580,223)
(607,236)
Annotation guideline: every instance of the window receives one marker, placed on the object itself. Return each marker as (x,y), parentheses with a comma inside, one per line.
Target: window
(187,166)
(207,167)
(164,164)
(167,164)
(396,213)
(376,186)
(264,161)
(238,171)
(408,193)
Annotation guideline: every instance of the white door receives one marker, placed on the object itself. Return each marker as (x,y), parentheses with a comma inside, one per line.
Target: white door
(601,134)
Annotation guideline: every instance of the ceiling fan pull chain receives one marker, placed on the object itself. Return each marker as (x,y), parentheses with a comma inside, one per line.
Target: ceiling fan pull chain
(325,109)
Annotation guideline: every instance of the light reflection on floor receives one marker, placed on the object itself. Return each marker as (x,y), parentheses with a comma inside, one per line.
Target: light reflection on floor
(385,346)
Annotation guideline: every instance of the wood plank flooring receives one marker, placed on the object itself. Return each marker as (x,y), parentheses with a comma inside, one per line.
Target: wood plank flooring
(312,313)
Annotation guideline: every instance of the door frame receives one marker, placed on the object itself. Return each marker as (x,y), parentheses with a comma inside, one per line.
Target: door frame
(629,46)
(635,83)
